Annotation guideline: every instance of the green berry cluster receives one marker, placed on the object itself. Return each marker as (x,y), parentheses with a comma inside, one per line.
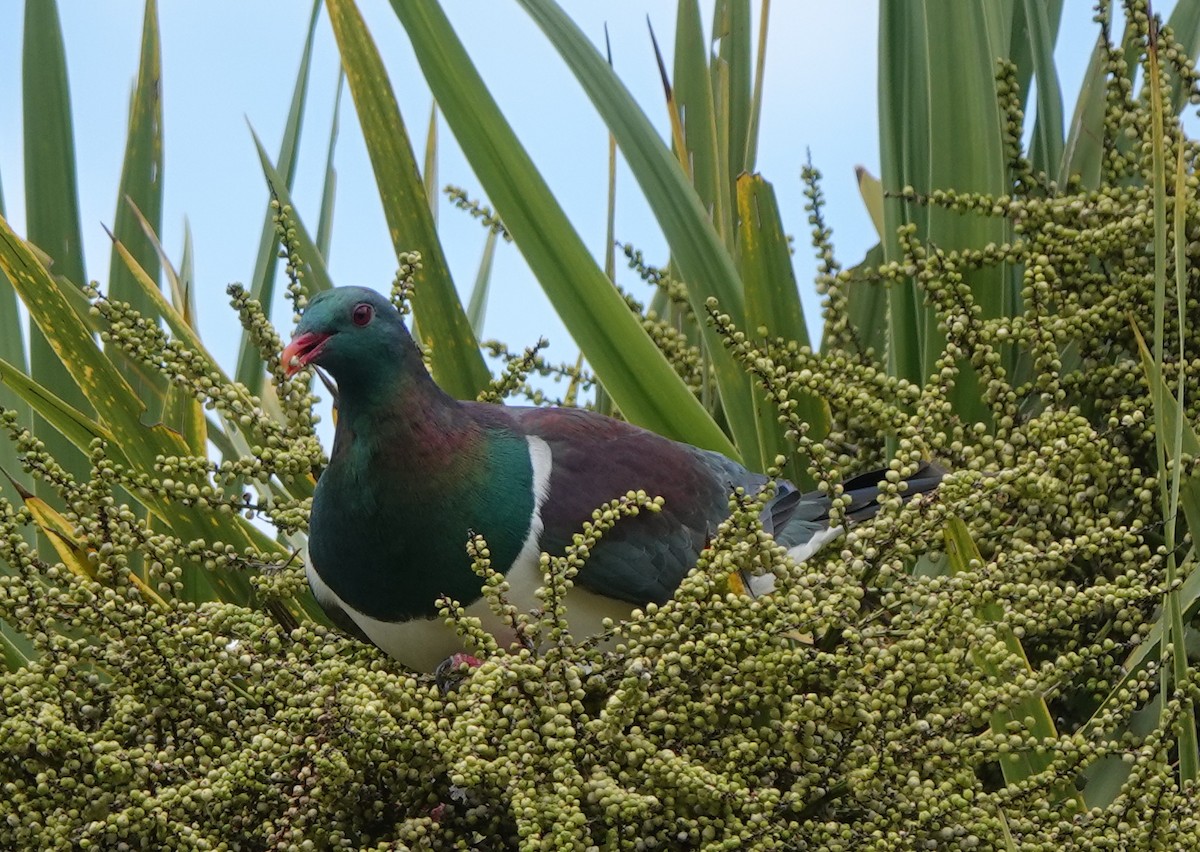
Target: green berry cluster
(979,667)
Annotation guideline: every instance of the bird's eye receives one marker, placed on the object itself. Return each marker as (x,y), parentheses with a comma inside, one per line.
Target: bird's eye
(362,314)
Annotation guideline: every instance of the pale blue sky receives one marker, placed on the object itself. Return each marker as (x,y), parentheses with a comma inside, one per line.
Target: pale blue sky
(229,61)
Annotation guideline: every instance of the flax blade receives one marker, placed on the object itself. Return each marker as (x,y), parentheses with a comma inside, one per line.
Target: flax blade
(634,372)
(262,282)
(51,197)
(457,364)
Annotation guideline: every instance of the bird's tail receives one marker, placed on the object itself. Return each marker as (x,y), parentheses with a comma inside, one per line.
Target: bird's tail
(863,490)
(801,521)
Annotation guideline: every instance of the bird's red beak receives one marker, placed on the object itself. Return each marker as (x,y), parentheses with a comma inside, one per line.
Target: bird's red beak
(301,351)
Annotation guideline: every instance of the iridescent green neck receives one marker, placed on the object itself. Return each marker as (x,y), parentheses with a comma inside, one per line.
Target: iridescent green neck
(412,474)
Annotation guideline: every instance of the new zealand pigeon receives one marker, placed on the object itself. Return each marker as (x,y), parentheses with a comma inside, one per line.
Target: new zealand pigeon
(414,471)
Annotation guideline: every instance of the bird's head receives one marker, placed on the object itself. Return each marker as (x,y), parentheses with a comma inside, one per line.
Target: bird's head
(354,333)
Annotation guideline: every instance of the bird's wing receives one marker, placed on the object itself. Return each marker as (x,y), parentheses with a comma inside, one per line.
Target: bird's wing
(596,459)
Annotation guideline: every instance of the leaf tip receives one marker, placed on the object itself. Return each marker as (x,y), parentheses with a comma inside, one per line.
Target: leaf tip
(21,490)
(662,66)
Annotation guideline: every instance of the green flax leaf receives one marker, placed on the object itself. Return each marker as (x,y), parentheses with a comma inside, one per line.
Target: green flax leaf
(262,287)
(871,191)
(940,128)
(117,407)
(315,273)
(1184,602)
(1047,149)
(773,310)
(140,195)
(760,67)
(180,410)
(1030,713)
(429,172)
(867,304)
(180,321)
(731,31)
(457,363)
(1084,150)
(477,306)
(1085,135)
(16,650)
(329,185)
(694,95)
(12,351)
(69,421)
(1185,24)
(602,401)
(51,196)
(141,188)
(702,258)
(904,147)
(634,372)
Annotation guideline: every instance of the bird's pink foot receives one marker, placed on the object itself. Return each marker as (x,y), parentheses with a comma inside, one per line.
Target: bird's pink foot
(449,673)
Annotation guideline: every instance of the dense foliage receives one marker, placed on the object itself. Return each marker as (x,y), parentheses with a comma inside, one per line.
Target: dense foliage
(999,664)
